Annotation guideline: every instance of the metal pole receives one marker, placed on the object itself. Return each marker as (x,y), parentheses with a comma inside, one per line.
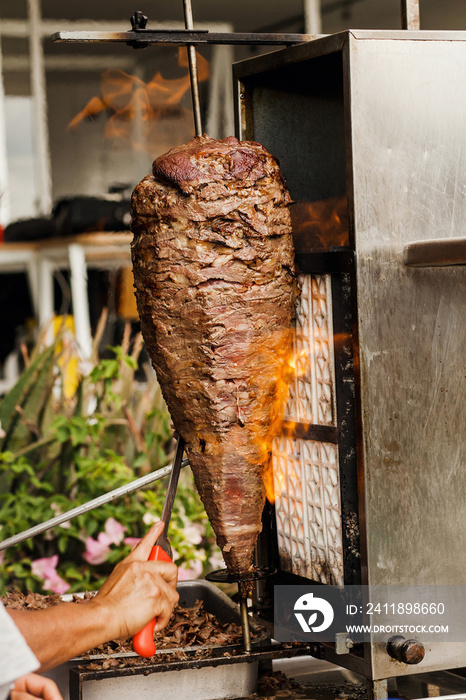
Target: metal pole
(243,604)
(90,505)
(312,17)
(82,322)
(4,180)
(36,51)
(188,20)
(410,15)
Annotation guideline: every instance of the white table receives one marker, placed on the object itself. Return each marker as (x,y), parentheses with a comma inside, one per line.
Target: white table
(40,259)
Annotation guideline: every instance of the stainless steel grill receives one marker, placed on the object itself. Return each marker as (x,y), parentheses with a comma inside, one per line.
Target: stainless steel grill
(370,471)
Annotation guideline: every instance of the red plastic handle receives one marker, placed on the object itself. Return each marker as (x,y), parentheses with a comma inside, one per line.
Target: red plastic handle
(143,641)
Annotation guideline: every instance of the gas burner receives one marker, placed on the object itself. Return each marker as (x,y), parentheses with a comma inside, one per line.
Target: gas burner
(225,576)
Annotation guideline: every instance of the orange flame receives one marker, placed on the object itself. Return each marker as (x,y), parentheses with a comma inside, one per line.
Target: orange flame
(320,225)
(296,366)
(127,98)
(295,361)
(316,226)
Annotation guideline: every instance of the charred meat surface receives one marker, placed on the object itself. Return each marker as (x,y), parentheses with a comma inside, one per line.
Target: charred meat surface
(216,289)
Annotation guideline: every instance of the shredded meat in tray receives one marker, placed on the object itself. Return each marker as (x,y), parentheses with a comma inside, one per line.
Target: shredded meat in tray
(188,627)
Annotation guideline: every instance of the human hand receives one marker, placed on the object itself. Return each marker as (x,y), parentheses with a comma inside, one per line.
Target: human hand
(33,686)
(138,590)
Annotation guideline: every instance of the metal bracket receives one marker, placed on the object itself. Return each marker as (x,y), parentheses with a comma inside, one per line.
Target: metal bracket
(343,643)
(438,252)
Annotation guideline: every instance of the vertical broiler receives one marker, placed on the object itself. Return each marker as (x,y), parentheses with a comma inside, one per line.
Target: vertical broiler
(369,471)
(368,463)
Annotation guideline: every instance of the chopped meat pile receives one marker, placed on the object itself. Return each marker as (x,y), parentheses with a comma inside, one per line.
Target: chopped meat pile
(216,289)
(188,627)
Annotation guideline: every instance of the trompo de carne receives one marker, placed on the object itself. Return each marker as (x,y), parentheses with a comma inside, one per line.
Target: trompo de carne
(216,289)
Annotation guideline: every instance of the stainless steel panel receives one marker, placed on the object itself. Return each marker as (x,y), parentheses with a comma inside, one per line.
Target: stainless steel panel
(408,137)
(211,683)
(408,132)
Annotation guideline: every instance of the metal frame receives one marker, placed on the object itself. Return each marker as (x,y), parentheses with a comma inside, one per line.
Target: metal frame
(180,37)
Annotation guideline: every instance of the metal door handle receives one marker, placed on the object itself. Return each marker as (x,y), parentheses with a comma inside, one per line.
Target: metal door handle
(435,253)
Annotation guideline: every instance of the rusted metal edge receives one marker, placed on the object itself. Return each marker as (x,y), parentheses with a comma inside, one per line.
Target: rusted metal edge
(148,37)
(311,431)
(326,262)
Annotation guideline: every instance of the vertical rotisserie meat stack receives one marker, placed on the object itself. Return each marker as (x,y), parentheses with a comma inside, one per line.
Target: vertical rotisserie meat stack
(216,289)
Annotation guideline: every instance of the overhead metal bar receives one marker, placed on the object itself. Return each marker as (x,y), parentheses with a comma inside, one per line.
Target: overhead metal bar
(148,37)
(312,16)
(4,178)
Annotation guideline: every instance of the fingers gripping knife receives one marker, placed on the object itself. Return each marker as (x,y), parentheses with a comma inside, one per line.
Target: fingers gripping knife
(143,641)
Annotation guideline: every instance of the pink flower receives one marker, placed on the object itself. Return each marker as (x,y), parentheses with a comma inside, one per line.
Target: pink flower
(114,531)
(46,569)
(97,550)
(190,572)
(132,541)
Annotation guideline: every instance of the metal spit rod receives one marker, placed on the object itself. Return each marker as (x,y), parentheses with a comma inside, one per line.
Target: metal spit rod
(243,604)
(188,20)
(90,505)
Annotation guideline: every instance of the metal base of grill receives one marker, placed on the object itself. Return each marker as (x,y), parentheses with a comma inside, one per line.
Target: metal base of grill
(180,677)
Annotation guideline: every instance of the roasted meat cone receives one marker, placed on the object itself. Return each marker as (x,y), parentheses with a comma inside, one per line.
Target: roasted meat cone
(216,289)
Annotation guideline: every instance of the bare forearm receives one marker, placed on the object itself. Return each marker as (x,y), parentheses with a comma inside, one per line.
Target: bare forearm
(58,634)
(136,591)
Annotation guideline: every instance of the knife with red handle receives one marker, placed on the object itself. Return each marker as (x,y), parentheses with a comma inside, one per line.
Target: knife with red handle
(143,641)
